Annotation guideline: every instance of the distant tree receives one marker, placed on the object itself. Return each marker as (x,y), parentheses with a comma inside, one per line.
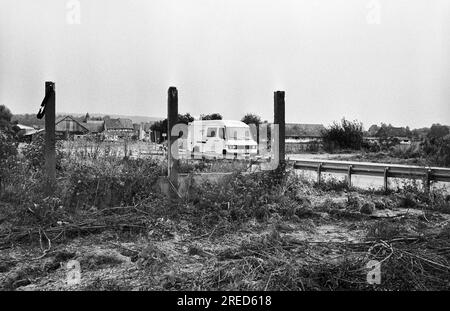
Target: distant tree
(29,120)
(408,132)
(212,116)
(438,131)
(384,125)
(86,117)
(8,146)
(161,126)
(5,117)
(185,118)
(437,150)
(344,135)
(373,129)
(251,118)
(420,134)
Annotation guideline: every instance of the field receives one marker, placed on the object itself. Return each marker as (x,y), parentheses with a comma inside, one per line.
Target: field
(273,230)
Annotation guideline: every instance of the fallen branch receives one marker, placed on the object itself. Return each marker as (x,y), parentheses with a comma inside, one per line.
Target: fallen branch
(49,243)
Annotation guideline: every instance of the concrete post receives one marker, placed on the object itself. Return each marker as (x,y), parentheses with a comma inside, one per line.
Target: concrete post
(279,118)
(50,140)
(279,150)
(172,119)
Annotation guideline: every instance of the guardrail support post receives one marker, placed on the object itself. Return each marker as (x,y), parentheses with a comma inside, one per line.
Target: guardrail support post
(349,176)
(172,159)
(319,172)
(385,179)
(428,181)
(50,139)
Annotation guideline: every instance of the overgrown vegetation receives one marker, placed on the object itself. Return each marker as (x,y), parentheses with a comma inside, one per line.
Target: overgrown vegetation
(344,135)
(267,260)
(437,149)
(262,230)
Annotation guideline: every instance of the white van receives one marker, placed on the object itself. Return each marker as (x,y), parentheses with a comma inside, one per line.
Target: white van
(221,138)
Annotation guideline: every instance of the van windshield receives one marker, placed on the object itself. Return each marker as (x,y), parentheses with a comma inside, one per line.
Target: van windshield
(238,133)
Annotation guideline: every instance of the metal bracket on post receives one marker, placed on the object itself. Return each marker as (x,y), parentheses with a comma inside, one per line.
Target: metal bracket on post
(47,109)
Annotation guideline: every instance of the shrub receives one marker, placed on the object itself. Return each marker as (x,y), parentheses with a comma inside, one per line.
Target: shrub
(332,183)
(109,181)
(371,146)
(239,197)
(34,153)
(8,157)
(437,150)
(346,135)
(406,151)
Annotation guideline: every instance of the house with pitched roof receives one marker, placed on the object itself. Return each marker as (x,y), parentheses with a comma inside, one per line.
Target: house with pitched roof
(68,126)
(117,129)
(94,126)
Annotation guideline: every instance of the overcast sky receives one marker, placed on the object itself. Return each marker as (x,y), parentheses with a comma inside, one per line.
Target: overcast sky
(332,57)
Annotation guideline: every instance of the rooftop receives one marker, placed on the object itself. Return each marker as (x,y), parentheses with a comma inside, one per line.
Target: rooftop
(118,124)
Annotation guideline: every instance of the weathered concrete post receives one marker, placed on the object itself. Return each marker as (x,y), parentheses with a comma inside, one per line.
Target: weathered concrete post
(172,119)
(279,118)
(50,141)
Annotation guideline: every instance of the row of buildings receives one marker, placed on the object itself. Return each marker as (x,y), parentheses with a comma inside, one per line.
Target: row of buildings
(109,129)
(69,127)
(299,137)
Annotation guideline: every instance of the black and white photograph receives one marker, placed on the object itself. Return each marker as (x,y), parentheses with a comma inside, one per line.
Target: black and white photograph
(242,147)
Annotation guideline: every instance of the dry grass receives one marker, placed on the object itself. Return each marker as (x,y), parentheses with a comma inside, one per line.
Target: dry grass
(256,231)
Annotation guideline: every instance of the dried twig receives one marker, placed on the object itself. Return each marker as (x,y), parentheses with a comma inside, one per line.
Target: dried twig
(49,243)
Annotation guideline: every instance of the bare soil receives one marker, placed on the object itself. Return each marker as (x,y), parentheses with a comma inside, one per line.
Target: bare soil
(258,255)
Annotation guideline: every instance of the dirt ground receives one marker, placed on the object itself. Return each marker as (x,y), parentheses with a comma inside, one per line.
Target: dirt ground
(170,256)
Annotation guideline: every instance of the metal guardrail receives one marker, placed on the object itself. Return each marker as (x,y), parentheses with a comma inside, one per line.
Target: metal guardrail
(385,170)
